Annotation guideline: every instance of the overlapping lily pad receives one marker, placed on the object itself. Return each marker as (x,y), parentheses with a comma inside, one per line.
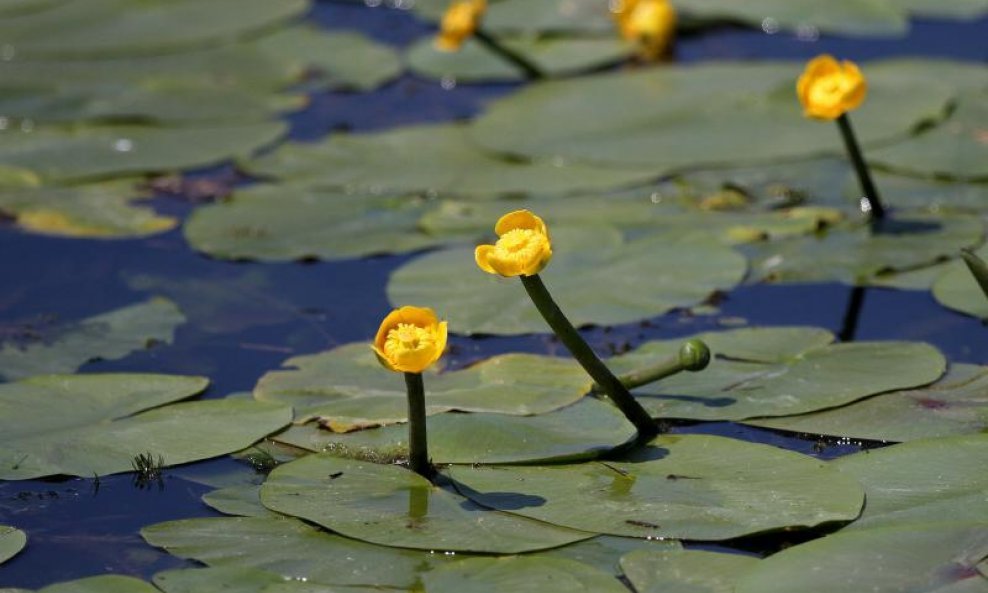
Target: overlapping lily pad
(684,571)
(956,404)
(239,501)
(96,424)
(596,276)
(438,158)
(956,288)
(12,541)
(779,371)
(842,17)
(605,551)
(346,387)
(393,506)
(684,486)
(108,583)
(938,558)
(581,431)
(106,336)
(925,481)
(230,579)
(524,574)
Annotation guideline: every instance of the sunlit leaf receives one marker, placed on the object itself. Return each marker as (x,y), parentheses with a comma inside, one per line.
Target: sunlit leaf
(12,541)
(522,574)
(684,571)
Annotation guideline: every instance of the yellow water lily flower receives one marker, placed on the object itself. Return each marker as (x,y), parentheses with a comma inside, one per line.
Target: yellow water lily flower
(458,23)
(828,88)
(651,24)
(410,339)
(522,249)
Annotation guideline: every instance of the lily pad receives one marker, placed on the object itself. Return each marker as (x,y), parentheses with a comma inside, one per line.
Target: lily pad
(596,275)
(522,574)
(108,583)
(96,424)
(12,541)
(230,579)
(689,116)
(605,551)
(392,506)
(439,159)
(956,404)
(277,223)
(684,571)
(101,210)
(581,431)
(239,501)
(842,17)
(347,388)
(521,16)
(959,9)
(925,481)
(291,549)
(956,288)
(684,486)
(777,381)
(935,558)
(87,152)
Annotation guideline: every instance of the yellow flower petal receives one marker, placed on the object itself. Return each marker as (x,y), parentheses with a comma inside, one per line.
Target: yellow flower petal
(522,249)
(410,339)
(828,89)
(458,23)
(519,219)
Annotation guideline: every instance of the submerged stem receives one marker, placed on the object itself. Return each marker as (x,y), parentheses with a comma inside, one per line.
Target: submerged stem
(532,72)
(418,447)
(873,206)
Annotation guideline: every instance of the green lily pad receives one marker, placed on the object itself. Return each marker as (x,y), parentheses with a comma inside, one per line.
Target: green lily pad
(779,382)
(522,574)
(393,506)
(959,9)
(100,210)
(96,424)
(596,276)
(935,558)
(520,16)
(348,388)
(109,583)
(554,56)
(278,223)
(12,541)
(113,27)
(230,579)
(239,501)
(100,151)
(583,430)
(684,486)
(605,551)
(925,481)
(688,116)
(439,159)
(956,148)
(108,336)
(684,571)
(956,288)
(842,17)
(292,550)
(956,404)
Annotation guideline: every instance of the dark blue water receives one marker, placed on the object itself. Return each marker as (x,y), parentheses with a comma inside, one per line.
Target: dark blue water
(244,319)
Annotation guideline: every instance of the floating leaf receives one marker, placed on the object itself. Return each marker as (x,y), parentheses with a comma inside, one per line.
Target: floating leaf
(957,289)
(596,276)
(935,558)
(521,574)
(956,404)
(521,16)
(274,223)
(779,382)
(292,550)
(347,388)
(392,506)
(960,9)
(684,571)
(12,541)
(925,481)
(103,210)
(605,551)
(230,579)
(842,17)
(581,431)
(438,159)
(96,424)
(108,336)
(241,501)
(684,486)
(108,583)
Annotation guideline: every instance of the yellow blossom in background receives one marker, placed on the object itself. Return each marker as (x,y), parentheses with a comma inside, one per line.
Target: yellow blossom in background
(410,339)
(522,249)
(650,24)
(458,23)
(828,88)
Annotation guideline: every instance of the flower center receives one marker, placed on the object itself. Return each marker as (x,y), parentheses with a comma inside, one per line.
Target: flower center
(517,241)
(831,87)
(407,338)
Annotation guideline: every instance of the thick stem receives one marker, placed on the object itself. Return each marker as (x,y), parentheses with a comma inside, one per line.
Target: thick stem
(531,70)
(418,447)
(582,352)
(852,314)
(874,207)
(693,356)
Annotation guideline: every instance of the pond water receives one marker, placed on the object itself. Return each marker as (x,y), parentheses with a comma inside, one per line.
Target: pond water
(245,319)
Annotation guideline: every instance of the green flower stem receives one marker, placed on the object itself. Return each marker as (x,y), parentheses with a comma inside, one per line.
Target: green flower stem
(418,447)
(875,208)
(582,352)
(693,356)
(978,269)
(531,71)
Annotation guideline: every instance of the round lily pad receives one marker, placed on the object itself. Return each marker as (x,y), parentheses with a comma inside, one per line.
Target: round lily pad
(684,486)
(684,571)
(240,501)
(596,276)
(841,17)
(346,387)
(96,424)
(937,558)
(522,574)
(229,579)
(12,541)
(957,289)
(393,506)
(521,16)
(109,583)
(583,430)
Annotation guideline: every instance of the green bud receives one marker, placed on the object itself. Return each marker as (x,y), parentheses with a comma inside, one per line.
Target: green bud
(694,355)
